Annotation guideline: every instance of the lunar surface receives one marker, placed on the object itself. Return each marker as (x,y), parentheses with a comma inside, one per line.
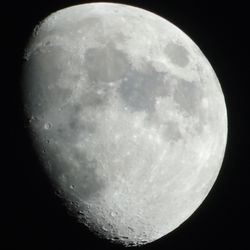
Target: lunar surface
(127,116)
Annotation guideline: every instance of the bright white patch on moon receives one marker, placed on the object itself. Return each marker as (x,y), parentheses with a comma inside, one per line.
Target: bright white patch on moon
(131,117)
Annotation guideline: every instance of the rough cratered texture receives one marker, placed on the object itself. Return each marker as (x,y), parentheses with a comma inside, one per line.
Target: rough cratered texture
(128,117)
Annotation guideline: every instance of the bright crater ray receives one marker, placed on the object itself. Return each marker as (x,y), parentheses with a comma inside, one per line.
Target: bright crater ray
(127,116)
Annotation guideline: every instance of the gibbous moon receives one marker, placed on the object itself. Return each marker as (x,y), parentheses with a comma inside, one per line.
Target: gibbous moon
(127,116)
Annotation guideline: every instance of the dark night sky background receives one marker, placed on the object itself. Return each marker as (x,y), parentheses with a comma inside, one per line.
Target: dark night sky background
(33,217)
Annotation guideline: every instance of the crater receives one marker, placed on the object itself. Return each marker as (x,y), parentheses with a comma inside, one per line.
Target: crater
(177,54)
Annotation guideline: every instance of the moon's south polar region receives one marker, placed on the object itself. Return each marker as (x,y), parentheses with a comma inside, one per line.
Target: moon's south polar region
(127,117)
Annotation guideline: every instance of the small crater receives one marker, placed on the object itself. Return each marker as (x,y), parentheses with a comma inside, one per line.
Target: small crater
(124,237)
(113,214)
(31,119)
(47,126)
(36,30)
(104,229)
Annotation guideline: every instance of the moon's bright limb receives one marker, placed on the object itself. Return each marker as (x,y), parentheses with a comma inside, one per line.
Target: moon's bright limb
(131,117)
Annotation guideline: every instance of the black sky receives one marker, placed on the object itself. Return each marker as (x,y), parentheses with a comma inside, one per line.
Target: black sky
(33,217)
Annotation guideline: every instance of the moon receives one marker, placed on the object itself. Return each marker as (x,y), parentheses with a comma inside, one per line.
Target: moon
(127,116)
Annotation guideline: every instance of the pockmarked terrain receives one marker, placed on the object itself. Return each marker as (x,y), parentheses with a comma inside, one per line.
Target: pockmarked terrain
(127,116)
